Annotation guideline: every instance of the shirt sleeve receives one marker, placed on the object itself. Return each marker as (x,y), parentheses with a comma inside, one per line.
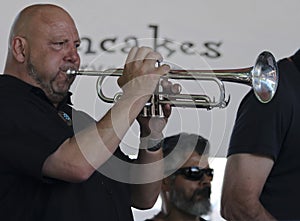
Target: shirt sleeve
(259,128)
(28,136)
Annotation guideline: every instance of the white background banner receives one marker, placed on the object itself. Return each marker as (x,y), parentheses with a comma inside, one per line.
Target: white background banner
(189,34)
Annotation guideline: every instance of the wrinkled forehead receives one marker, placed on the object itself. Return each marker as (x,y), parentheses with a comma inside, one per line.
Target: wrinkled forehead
(53,18)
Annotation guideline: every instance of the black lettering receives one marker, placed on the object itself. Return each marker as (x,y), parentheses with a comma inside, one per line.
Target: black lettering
(212,52)
(155,35)
(88,46)
(187,48)
(165,46)
(157,45)
(109,48)
(129,43)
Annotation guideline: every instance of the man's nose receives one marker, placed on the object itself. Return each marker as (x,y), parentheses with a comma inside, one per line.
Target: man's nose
(205,181)
(72,54)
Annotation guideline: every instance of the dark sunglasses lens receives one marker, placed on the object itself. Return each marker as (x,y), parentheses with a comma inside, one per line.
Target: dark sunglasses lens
(194,173)
(209,172)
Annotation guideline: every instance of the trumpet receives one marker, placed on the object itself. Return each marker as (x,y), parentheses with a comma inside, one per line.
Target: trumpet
(262,77)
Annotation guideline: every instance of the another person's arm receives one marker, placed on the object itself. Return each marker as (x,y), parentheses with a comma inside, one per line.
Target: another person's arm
(244,178)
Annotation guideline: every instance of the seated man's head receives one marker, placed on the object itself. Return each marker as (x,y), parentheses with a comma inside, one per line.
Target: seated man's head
(188,188)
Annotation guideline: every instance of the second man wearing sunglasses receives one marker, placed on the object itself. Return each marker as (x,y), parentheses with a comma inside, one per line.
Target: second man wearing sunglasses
(186,191)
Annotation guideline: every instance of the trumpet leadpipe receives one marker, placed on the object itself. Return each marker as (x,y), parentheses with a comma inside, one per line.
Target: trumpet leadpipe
(108,72)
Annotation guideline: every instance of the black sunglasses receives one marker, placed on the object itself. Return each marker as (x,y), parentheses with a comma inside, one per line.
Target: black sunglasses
(195,173)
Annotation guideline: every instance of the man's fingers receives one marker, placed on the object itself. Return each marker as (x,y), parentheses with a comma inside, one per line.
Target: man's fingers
(142,53)
(176,88)
(131,55)
(170,88)
(166,110)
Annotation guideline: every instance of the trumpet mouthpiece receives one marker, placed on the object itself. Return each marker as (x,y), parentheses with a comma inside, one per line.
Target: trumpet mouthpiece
(71,71)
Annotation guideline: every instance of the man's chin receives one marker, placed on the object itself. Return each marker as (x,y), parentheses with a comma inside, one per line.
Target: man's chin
(198,198)
(61,89)
(57,97)
(201,208)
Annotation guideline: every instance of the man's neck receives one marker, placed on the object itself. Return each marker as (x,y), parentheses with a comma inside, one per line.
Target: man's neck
(178,215)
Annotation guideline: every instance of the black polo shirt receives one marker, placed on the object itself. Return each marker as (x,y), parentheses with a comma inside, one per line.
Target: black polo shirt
(31,130)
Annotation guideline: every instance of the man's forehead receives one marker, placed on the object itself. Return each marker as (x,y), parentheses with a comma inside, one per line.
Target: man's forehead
(196,160)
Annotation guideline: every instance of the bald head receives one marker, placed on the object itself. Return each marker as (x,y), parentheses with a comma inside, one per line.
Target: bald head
(26,21)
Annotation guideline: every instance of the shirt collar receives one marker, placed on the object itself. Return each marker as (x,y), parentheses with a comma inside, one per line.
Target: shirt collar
(40,93)
(36,90)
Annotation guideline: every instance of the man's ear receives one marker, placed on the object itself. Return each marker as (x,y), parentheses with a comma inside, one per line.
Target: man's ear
(18,48)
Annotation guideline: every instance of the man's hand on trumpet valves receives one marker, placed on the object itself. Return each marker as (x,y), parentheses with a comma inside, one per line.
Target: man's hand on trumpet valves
(152,127)
(140,76)
(140,79)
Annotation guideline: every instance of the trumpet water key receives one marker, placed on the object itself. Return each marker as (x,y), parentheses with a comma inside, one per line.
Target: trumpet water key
(262,77)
